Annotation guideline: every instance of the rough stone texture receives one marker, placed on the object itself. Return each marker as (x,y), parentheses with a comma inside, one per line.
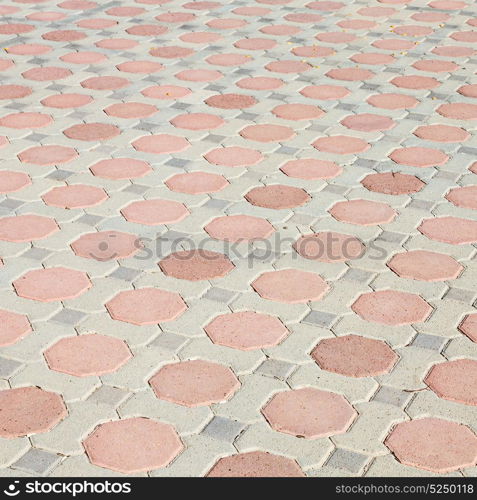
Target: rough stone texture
(212,208)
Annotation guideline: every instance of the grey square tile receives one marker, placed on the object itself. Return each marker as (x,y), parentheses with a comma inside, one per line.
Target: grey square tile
(149,127)
(170,341)
(36,137)
(286,150)
(69,317)
(220,295)
(319,318)
(224,429)
(427,206)
(427,341)
(468,150)
(460,295)
(358,275)
(8,367)
(11,204)
(216,204)
(391,237)
(348,460)
(36,254)
(136,189)
(215,138)
(335,189)
(125,273)
(180,105)
(177,162)
(392,396)
(90,220)
(362,162)
(301,220)
(37,462)
(444,174)
(60,175)
(107,395)
(247,116)
(276,368)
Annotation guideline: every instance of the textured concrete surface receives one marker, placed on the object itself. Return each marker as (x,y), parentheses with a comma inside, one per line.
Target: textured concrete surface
(238,238)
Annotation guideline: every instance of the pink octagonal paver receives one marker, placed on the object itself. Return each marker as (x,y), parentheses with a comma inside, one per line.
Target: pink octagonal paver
(75,196)
(465,197)
(197,183)
(231,101)
(246,330)
(469,327)
(277,196)
(363,212)
(419,157)
(13,327)
(29,410)
(161,144)
(256,464)
(442,133)
(47,155)
(455,380)
(92,132)
(106,245)
(146,306)
(239,228)
(11,181)
(267,133)
(309,413)
(234,156)
(197,121)
(196,265)
(131,110)
(22,228)
(390,307)
(120,168)
(433,444)
(290,286)
(133,445)
(311,169)
(452,230)
(87,355)
(354,356)
(52,284)
(393,183)
(341,145)
(425,266)
(155,212)
(367,122)
(194,383)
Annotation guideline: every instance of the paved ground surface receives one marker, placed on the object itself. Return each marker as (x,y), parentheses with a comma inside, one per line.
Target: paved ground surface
(238,237)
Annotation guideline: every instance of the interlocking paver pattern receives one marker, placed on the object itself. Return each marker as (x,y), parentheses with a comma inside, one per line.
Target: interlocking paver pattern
(238,237)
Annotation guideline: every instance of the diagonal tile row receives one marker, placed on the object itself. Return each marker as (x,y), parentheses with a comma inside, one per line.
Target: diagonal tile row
(238,239)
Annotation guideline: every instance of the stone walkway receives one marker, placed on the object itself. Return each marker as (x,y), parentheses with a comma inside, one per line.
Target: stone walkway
(238,237)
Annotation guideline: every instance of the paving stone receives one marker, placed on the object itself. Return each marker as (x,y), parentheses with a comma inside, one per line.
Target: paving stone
(108,395)
(220,295)
(347,460)
(8,367)
(69,317)
(276,369)
(37,462)
(242,129)
(224,429)
(321,319)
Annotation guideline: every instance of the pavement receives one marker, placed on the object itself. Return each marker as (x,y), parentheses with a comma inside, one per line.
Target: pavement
(238,238)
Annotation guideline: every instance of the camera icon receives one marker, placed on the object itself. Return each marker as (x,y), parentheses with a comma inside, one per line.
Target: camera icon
(104,251)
